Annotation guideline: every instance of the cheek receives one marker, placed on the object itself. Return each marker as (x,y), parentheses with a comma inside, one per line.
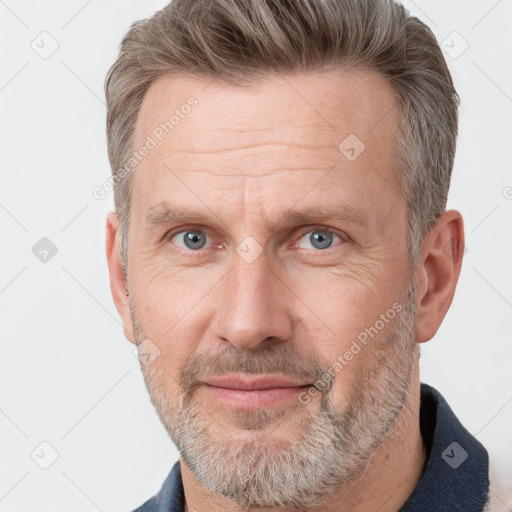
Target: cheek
(345,327)
(169,315)
(167,295)
(342,303)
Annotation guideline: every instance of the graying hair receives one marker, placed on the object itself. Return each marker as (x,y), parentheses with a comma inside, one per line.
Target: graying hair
(243,41)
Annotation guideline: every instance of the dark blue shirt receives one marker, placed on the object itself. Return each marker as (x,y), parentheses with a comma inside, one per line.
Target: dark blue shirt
(455,477)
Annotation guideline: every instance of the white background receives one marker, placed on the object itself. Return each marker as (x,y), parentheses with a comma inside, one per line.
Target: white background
(67,374)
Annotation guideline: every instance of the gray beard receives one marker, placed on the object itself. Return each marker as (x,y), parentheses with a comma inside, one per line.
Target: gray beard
(253,469)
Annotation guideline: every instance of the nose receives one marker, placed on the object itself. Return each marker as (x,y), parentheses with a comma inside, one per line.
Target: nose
(254,305)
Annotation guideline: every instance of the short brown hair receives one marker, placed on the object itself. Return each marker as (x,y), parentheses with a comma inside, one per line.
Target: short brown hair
(241,41)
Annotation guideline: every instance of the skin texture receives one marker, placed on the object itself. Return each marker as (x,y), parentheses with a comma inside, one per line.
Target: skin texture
(242,158)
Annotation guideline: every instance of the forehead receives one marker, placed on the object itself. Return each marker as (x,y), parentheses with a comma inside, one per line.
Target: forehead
(333,104)
(286,123)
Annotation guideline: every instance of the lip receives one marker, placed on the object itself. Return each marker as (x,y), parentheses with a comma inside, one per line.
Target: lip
(259,382)
(253,392)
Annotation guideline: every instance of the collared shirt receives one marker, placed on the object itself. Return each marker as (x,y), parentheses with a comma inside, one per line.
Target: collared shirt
(455,476)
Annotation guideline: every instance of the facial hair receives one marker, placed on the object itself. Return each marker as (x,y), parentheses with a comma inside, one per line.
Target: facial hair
(251,467)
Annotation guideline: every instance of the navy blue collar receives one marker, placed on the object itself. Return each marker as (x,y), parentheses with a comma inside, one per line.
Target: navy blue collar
(455,477)
(456,474)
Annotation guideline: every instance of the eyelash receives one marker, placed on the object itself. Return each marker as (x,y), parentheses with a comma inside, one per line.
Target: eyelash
(341,234)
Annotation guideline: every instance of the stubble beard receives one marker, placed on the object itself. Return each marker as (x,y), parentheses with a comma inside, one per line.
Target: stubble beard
(252,467)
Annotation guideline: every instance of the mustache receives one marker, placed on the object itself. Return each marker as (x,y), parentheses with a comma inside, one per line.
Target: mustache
(277,359)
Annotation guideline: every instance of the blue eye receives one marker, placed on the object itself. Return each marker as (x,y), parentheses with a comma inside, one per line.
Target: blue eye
(195,239)
(191,239)
(320,239)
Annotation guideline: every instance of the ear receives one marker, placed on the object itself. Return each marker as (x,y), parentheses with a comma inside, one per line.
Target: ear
(437,273)
(117,281)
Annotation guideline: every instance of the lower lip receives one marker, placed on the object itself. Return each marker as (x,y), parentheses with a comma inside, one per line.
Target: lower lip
(257,398)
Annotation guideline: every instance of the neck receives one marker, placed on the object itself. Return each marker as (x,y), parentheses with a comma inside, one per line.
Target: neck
(385,484)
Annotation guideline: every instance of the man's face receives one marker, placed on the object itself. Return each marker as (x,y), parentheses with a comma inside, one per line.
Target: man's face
(282,255)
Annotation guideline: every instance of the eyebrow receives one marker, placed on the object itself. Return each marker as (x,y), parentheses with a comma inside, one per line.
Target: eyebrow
(165,213)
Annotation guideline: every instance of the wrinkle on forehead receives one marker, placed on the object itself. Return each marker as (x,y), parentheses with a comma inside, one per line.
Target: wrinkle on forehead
(289,111)
(295,124)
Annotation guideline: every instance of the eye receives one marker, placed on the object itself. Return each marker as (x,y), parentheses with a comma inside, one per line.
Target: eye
(189,239)
(319,239)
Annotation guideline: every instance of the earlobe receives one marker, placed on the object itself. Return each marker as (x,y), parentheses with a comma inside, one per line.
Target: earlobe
(117,274)
(438,272)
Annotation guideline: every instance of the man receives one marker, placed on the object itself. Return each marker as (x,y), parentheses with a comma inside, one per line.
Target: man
(280,248)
